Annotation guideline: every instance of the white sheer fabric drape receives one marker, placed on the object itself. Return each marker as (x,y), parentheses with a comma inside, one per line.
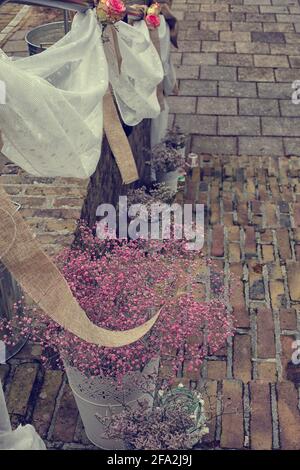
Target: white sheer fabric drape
(23,438)
(52,121)
(159,125)
(141,70)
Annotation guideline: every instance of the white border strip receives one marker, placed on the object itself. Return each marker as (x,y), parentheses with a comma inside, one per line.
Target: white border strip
(13,23)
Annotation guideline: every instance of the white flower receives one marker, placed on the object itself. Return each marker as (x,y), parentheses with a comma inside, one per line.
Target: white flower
(204,430)
(180,385)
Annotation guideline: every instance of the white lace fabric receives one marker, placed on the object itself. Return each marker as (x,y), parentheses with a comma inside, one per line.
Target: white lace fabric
(52,122)
(159,125)
(141,70)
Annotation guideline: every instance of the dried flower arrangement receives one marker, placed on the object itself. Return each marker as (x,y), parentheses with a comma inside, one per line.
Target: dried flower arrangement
(177,421)
(159,193)
(166,158)
(175,138)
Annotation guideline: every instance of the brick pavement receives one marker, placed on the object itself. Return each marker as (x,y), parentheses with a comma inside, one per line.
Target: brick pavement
(236,64)
(253,231)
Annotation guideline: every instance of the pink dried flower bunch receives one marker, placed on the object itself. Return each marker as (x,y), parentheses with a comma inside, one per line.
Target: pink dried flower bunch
(120,284)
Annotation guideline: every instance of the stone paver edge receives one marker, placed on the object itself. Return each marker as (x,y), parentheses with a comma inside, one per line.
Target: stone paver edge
(14,24)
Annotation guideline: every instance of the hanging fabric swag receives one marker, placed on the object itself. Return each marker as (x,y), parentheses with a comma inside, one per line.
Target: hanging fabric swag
(135,70)
(52,121)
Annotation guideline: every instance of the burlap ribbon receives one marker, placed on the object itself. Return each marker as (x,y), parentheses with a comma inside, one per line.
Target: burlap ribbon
(118,141)
(38,276)
(113,129)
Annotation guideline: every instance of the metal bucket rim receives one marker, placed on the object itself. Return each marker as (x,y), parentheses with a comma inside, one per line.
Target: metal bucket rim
(37,28)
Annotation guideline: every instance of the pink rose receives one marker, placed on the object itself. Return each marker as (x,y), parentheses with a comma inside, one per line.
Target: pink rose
(116,6)
(153,21)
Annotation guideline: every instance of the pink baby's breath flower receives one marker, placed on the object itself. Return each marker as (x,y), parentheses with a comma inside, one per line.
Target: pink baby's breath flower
(120,284)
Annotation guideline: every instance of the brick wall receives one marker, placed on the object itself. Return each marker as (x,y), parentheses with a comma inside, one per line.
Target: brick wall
(52,206)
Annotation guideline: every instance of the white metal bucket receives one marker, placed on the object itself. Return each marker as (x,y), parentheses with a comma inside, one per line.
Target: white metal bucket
(170,178)
(100,396)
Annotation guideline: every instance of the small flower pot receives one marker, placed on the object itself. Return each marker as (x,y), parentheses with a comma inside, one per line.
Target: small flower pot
(170,178)
(98,397)
(181,150)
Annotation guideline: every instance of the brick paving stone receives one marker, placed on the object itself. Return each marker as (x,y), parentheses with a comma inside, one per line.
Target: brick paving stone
(182,104)
(217,73)
(45,404)
(66,418)
(286,75)
(280,126)
(216,370)
(293,276)
(215,26)
(274,38)
(217,248)
(247,27)
(261,146)
(253,74)
(237,89)
(242,366)
(187,71)
(261,416)
(265,18)
(252,48)
(250,243)
(271,61)
(239,125)
(288,319)
(265,334)
(286,342)
(283,243)
(232,435)
(235,59)
(216,106)
(209,393)
(258,107)
(213,145)
(215,46)
(288,108)
(198,88)
(193,58)
(196,124)
(236,296)
(278,27)
(289,416)
(292,146)
(232,36)
(266,371)
(19,393)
